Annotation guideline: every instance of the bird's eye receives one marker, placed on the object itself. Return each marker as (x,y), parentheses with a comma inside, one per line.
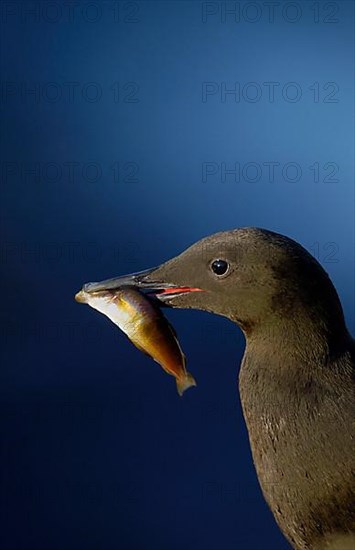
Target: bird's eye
(220,267)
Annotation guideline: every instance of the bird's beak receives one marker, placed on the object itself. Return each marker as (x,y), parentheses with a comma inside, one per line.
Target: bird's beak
(145,281)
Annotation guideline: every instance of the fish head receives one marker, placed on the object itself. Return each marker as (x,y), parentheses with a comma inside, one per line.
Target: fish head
(84,297)
(124,307)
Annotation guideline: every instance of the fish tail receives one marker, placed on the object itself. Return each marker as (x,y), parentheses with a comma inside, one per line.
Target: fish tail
(185,383)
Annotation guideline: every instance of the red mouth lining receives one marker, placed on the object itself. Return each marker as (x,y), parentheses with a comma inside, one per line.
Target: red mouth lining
(177,290)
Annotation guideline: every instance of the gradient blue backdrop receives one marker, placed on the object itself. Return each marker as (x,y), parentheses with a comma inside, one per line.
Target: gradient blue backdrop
(114,152)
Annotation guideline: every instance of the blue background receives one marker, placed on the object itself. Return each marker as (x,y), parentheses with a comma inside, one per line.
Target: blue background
(97,449)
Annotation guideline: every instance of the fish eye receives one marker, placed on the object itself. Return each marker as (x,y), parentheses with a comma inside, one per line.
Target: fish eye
(220,267)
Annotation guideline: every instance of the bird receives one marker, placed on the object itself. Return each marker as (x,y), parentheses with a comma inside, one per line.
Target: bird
(296,380)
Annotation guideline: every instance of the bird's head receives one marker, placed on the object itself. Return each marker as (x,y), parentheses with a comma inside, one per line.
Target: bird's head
(249,275)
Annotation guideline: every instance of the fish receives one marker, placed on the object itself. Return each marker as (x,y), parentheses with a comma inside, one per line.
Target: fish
(146,327)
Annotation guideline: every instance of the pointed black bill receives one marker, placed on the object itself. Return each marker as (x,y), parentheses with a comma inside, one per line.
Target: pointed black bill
(142,280)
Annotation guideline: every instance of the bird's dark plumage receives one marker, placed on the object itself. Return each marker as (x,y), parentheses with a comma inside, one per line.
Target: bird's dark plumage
(296,382)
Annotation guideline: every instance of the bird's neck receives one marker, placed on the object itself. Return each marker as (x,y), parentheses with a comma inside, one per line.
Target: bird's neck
(305,334)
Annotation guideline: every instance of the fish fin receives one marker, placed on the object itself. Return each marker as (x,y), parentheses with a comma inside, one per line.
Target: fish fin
(171,327)
(183,356)
(185,383)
